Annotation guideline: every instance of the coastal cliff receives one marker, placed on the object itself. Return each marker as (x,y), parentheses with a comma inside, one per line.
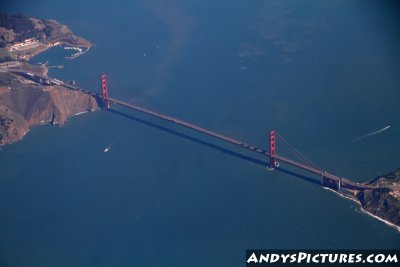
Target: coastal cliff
(24,104)
(385,205)
(379,197)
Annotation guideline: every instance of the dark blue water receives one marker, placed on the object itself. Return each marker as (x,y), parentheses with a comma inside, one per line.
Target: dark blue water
(320,74)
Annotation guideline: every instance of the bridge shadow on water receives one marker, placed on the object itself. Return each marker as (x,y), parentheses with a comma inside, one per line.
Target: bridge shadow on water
(215,147)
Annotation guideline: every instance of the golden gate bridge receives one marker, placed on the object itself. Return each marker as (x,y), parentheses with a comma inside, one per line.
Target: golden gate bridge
(327,179)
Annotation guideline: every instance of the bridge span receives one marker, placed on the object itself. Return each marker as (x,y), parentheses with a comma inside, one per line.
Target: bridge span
(327,179)
(231,140)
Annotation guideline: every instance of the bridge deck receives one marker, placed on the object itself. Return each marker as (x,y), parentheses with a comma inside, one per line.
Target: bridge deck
(241,144)
(189,125)
(213,134)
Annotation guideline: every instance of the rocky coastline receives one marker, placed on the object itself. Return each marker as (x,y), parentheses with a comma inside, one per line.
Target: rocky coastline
(383,205)
(23,37)
(25,103)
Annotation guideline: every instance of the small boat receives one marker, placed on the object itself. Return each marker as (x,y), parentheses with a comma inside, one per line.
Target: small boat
(107,149)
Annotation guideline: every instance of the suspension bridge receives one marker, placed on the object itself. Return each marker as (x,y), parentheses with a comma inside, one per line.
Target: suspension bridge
(327,179)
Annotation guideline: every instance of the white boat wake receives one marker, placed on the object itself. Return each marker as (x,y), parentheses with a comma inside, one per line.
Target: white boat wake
(371,134)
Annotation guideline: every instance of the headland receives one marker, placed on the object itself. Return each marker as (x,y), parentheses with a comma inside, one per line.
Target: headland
(25,103)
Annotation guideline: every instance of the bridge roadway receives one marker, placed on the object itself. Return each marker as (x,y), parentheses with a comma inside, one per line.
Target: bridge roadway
(344,182)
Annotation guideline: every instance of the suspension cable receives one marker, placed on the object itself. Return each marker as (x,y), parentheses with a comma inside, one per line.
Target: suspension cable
(133,98)
(296,152)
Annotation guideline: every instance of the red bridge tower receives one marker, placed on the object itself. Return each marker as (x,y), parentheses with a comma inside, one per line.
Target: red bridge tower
(104,91)
(272,151)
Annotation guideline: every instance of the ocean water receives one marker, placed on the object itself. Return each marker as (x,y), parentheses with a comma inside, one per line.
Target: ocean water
(321,74)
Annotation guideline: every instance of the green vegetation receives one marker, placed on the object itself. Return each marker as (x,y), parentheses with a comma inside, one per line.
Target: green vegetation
(5,55)
(5,79)
(19,24)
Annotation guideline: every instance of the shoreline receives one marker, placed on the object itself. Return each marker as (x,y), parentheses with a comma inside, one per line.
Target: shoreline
(392,225)
(84,49)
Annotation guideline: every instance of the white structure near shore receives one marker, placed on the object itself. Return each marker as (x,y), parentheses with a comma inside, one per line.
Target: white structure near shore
(22,45)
